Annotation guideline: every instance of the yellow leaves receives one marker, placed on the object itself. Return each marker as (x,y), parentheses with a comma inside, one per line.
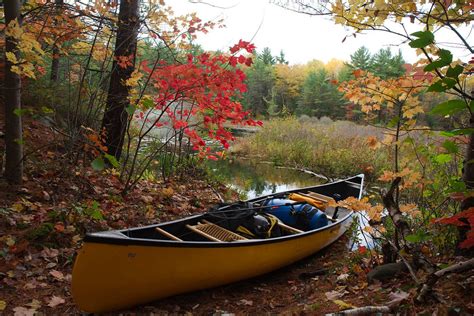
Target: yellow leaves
(81,47)
(11,57)
(14,30)
(3,305)
(411,112)
(342,304)
(28,51)
(388,139)
(134,78)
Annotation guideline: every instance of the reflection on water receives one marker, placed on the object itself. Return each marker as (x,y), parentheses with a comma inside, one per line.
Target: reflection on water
(254,179)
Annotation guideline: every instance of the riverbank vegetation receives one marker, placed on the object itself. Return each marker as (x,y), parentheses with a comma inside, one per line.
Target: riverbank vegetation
(336,149)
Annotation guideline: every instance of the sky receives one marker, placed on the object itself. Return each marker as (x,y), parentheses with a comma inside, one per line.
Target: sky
(301,37)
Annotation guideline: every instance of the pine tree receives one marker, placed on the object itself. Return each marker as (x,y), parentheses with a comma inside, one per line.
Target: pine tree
(385,65)
(266,57)
(361,59)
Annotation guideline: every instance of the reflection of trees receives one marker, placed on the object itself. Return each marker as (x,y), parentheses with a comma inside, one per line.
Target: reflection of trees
(259,177)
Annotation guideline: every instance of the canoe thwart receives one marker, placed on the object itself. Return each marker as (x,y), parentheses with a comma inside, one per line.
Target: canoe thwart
(214,232)
(287,227)
(321,197)
(169,235)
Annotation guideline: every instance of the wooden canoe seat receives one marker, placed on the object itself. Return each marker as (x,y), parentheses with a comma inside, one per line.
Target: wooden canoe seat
(214,232)
(165,233)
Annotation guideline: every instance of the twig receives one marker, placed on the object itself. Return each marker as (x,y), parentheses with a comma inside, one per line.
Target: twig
(217,194)
(366,310)
(433,278)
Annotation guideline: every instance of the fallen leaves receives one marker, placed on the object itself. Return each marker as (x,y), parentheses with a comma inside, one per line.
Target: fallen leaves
(246,302)
(397,298)
(58,275)
(23,311)
(342,304)
(3,305)
(55,301)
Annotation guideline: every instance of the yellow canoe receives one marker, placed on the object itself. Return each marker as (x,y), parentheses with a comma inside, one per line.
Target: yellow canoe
(119,269)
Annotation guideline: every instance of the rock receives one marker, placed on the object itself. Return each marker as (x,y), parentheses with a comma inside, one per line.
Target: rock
(386,271)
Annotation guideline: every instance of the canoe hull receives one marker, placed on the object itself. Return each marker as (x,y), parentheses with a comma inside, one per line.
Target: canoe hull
(110,277)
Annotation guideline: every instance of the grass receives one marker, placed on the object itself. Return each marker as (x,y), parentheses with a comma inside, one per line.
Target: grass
(336,149)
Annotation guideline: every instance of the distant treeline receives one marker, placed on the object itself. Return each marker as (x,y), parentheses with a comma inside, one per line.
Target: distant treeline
(276,88)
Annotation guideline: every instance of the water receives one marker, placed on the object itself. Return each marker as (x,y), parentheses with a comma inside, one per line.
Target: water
(252,179)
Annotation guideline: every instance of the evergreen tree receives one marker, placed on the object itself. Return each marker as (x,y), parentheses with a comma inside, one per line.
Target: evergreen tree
(281,58)
(266,57)
(385,65)
(260,81)
(361,59)
(320,97)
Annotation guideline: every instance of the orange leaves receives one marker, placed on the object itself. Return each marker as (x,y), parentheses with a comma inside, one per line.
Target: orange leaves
(410,210)
(374,94)
(410,177)
(356,204)
(125,61)
(372,142)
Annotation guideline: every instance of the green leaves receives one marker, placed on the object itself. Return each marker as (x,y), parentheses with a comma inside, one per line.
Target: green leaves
(457,131)
(454,72)
(98,164)
(445,58)
(449,107)
(442,85)
(130,109)
(418,237)
(451,147)
(112,160)
(424,38)
(443,158)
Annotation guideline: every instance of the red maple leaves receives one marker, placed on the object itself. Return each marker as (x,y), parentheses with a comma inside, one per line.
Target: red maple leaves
(202,94)
(464,218)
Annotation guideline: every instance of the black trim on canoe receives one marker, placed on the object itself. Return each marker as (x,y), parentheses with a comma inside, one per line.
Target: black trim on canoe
(119,237)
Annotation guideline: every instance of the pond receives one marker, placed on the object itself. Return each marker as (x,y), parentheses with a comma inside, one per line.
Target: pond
(252,179)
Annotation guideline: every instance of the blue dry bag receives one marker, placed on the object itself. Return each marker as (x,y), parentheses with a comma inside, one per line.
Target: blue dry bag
(301,215)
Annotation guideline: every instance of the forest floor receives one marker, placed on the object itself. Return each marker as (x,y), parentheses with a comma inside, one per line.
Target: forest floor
(42,224)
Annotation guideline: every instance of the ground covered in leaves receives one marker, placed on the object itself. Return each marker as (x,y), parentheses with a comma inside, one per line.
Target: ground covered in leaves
(42,224)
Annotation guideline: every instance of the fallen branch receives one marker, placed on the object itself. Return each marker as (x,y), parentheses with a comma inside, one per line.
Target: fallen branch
(314,174)
(366,310)
(434,277)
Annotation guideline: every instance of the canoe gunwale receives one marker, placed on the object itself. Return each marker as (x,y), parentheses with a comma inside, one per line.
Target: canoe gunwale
(128,241)
(118,237)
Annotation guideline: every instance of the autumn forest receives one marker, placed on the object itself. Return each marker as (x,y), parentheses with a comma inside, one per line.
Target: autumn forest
(112,114)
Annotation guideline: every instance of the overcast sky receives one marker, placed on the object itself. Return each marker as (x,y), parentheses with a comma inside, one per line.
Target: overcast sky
(301,37)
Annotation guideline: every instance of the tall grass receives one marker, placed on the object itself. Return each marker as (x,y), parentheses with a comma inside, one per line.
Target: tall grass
(335,149)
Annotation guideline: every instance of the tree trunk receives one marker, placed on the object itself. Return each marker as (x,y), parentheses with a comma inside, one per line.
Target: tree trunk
(55,62)
(12,86)
(468,178)
(116,117)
